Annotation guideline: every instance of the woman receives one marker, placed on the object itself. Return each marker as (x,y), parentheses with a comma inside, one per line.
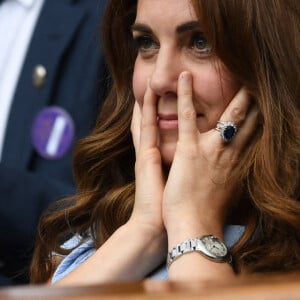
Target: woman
(210,91)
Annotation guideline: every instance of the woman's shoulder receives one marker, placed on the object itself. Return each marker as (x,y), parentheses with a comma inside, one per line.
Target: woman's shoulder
(83,249)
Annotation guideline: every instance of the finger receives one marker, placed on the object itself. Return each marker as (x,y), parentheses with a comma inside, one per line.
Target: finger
(248,129)
(136,126)
(149,120)
(235,114)
(187,116)
(237,109)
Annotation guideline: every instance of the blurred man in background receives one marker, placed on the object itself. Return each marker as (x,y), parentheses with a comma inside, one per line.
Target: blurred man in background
(51,86)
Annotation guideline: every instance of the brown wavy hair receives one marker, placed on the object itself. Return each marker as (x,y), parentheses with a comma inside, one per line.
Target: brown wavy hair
(258,41)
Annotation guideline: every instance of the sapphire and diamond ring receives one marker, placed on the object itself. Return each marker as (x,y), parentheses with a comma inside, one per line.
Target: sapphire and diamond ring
(227,130)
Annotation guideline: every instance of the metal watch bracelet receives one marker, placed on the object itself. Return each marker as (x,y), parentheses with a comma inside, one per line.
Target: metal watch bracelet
(208,246)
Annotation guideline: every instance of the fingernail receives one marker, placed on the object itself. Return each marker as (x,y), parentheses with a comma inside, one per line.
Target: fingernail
(185,77)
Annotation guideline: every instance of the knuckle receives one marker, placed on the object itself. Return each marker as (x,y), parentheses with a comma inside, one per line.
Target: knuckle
(238,114)
(186,92)
(148,156)
(147,125)
(188,114)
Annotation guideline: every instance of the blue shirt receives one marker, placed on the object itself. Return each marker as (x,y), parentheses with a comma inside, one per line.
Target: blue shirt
(86,248)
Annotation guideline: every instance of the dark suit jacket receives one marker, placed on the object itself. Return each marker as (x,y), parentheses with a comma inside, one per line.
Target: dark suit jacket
(66,42)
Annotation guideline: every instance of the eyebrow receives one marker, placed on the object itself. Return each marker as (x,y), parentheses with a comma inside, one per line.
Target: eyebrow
(189,26)
(141,27)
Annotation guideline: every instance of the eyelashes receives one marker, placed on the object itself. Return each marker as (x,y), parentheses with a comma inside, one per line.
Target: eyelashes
(200,44)
(144,43)
(196,43)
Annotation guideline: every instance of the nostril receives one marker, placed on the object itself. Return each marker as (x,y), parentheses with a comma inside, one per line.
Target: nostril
(164,83)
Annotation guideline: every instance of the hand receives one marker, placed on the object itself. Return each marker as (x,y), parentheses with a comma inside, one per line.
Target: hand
(143,237)
(198,195)
(148,168)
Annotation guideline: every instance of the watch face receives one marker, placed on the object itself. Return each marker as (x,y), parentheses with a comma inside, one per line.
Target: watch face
(215,246)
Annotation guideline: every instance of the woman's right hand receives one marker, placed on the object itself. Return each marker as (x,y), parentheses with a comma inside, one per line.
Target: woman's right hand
(150,183)
(140,245)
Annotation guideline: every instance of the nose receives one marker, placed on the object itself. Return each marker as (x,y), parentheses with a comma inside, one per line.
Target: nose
(165,73)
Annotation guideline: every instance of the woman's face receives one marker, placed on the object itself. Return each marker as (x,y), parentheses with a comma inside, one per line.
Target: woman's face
(170,40)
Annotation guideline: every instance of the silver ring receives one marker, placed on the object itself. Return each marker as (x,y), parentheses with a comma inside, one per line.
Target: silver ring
(227,130)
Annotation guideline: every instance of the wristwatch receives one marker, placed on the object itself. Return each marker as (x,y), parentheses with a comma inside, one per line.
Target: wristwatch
(209,246)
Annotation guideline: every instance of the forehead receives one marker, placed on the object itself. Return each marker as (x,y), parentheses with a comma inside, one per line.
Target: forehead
(175,11)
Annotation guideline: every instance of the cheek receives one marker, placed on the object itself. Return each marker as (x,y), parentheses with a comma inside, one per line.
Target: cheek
(214,88)
(139,82)
(228,85)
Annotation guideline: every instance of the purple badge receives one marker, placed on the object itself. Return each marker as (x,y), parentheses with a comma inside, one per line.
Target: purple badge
(52,132)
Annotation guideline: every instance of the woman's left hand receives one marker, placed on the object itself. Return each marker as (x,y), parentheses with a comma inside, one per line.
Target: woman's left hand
(197,194)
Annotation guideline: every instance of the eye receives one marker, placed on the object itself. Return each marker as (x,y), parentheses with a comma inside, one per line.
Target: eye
(145,43)
(200,44)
